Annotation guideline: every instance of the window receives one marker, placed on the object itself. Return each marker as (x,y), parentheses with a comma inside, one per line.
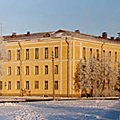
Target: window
(97,84)
(0,85)
(9,55)
(56,69)
(109,55)
(36,70)
(9,85)
(90,52)
(27,70)
(104,53)
(46,85)
(115,56)
(56,52)
(27,84)
(36,84)
(97,54)
(84,53)
(18,54)
(46,69)
(36,53)
(27,54)
(56,85)
(18,85)
(46,53)
(9,70)
(18,70)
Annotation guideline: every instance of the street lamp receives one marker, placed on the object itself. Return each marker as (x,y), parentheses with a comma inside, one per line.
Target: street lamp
(67,67)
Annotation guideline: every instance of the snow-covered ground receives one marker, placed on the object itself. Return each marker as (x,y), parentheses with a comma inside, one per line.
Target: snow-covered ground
(61,110)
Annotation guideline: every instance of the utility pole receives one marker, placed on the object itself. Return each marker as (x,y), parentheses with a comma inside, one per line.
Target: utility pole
(67,67)
(21,91)
(53,76)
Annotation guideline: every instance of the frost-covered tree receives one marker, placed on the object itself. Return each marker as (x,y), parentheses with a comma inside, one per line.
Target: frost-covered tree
(3,55)
(99,78)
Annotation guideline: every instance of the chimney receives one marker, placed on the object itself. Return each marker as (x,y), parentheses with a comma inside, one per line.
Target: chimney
(77,31)
(28,33)
(119,35)
(13,35)
(104,35)
(112,38)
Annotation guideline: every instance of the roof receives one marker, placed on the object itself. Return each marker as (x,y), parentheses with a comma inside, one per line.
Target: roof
(55,34)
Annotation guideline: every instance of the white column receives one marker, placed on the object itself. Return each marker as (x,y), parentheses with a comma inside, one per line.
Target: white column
(73,63)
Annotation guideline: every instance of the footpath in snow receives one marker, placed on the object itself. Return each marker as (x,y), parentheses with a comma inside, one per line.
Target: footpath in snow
(62,110)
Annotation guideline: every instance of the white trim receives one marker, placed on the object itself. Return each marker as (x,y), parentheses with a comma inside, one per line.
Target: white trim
(73,63)
(70,67)
(80,50)
(60,67)
(37,61)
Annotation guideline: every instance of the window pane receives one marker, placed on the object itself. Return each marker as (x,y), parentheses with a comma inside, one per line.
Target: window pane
(46,85)
(9,70)
(27,84)
(46,53)
(18,54)
(97,54)
(56,69)
(9,55)
(109,55)
(18,70)
(46,69)
(36,53)
(9,85)
(115,56)
(36,84)
(0,85)
(36,70)
(84,53)
(56,52)
(56,85)
(27,70)
(18,85)
(27,54)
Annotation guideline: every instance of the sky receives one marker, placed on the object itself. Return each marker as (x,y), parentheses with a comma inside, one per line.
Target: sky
(89,16)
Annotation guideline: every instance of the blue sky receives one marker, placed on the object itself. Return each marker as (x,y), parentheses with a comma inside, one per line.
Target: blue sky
(89,16)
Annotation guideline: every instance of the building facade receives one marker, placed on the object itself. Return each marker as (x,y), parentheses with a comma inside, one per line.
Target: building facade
(29,69)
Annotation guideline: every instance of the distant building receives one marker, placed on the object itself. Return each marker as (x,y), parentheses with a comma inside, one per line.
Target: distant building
(33,66)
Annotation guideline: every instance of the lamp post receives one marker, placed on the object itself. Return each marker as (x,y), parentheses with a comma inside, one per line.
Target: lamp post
(67,67)
(21,92)
(53,76)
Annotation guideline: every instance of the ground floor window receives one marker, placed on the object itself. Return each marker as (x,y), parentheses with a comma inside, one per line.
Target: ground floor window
(27,84)
(0,85)
(56,85)
(46,85)
(36,84)
(9,85)
(18,85)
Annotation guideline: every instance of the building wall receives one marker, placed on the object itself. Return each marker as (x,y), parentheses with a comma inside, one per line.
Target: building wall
(75,54)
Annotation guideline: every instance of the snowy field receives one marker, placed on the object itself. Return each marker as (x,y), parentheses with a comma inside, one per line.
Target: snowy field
(61,110)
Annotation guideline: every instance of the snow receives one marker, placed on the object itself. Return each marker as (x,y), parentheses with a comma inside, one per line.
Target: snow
(61,110)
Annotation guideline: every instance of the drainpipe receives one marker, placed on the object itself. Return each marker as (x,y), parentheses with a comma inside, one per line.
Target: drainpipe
(53,76)
(67,67)
(102,61)
(21,91)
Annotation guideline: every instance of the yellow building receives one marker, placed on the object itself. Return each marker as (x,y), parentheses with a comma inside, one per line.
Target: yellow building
(29,69)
